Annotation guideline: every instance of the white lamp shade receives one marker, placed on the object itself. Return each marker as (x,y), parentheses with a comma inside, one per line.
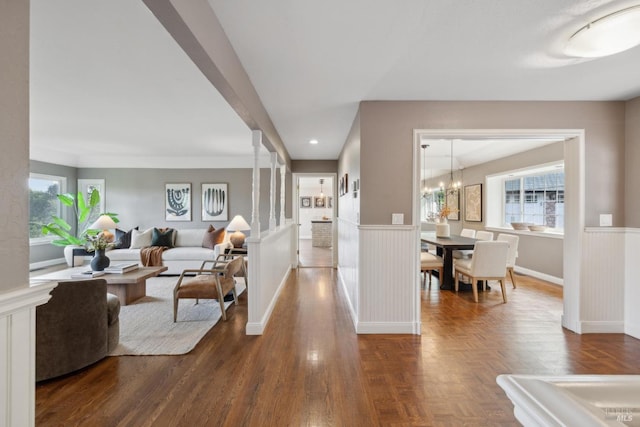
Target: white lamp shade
(104,222)
(613,33)
(238,223)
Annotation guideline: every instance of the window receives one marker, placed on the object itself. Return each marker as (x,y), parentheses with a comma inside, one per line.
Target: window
(43,203)
(537,198)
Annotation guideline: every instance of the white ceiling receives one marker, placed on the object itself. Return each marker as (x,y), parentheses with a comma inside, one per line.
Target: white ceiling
(110,86)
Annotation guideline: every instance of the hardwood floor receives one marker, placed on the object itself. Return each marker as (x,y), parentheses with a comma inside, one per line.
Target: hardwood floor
(311,369)
(312,256)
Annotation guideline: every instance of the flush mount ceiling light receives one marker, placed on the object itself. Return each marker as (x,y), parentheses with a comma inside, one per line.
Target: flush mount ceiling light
(612,33)
(313,141)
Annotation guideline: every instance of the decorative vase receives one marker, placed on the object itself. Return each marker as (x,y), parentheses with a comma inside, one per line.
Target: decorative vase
(100,261)
(443,230)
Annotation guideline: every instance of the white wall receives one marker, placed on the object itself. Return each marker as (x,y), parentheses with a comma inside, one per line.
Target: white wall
(310,187)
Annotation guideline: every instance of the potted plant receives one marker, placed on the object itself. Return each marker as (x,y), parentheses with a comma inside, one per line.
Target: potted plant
(84,210)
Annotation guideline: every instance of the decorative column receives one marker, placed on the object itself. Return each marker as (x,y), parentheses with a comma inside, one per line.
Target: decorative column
(272,194)
(283,175)
(255,210)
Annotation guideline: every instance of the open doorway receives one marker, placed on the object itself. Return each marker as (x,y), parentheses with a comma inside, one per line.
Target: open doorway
(315,218)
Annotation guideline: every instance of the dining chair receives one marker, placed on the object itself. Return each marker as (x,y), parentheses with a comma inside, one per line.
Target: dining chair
(209,283)
(428,263)
(513,253)
(489,262)
(484,235)
(464,253)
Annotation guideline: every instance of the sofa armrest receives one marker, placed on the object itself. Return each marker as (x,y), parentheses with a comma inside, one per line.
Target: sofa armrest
(220,248)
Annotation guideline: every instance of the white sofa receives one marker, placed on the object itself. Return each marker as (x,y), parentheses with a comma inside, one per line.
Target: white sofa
(186,253)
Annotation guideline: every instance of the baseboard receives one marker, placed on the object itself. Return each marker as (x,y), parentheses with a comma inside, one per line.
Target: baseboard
(45,264)
(541,276)
(632,330)
(385,328)
(602,327)
(257,328)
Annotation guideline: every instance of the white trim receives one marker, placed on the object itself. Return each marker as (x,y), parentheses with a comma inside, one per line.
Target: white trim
(385,328)
(386,227)
(543,234)
(602,327)
(542,276)
(44,264)
(257,328)
(352,311)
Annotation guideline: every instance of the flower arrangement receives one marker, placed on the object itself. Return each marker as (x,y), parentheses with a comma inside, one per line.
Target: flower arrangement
(445,211)
(99,241)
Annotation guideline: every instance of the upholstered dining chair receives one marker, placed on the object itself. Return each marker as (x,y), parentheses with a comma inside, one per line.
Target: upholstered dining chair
(464,253)
(513,253)
(428,263)
(209,283)
(489,262)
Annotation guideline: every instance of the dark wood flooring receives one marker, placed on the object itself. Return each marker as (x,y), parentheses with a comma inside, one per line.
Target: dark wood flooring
(311,369)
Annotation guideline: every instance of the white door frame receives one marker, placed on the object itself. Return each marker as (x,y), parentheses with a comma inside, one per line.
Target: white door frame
(574,157)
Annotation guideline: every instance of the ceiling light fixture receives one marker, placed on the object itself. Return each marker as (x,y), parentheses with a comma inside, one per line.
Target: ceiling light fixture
(610,34)
(313,141)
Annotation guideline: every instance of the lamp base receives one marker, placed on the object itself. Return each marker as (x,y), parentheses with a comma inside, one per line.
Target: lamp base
(237,238)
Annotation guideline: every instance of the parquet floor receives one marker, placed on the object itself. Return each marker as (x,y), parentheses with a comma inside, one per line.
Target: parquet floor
(311,369)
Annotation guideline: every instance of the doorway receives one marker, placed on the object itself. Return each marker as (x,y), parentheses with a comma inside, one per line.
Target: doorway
(315,216)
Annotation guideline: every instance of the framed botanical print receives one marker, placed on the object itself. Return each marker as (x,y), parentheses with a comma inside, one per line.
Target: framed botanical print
(305,201)
(473,203)
(177,202)
(215,202)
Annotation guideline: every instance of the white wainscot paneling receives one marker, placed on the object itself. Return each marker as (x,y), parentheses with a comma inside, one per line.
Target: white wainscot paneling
(632,284)
(387,285)
(602,284)
(348,264)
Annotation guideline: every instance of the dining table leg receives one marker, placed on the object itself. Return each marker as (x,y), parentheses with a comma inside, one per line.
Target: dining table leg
(447,277)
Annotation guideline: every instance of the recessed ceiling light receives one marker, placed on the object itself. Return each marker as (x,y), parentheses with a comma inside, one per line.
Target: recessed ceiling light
(612,33)
(313,141)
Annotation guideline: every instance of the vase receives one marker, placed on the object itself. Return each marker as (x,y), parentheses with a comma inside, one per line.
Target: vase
(443,230)
(100,261)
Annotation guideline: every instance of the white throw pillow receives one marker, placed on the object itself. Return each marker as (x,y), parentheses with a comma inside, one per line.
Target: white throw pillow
(140,239)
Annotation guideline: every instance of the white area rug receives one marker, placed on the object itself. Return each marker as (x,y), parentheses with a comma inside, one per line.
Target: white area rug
(147,328)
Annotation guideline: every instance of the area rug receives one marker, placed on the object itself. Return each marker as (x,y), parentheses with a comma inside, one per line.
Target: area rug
(147,328)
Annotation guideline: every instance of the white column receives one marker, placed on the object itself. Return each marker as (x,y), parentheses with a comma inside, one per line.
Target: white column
(283,175)
(272,193)
(255,211)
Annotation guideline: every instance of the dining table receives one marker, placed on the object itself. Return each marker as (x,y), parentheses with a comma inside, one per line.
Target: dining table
(445,247)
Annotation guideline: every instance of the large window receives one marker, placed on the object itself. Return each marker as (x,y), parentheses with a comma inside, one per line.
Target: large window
(43,202)
(537,198)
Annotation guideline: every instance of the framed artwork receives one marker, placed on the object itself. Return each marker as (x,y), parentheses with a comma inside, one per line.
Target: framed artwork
(86,187)
(305,201)
(330,202)
(215,202)
(318,202)
(341,187)
(453,203)
(473,203)
(177,203)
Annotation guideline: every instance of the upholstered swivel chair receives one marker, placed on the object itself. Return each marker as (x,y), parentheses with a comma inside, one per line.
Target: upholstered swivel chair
(489,262)
(428,263)
(513,253)
(209,283)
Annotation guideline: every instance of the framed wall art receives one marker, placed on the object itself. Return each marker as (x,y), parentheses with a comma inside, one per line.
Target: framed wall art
(305,201)
(319,202)
(215,202)
(473,203)
(177,202)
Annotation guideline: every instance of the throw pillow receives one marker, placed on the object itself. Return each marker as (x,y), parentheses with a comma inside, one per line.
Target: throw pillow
(140,239)
(162,237)
(213,237)
(123,238)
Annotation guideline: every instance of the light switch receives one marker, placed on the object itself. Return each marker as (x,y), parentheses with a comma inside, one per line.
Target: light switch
(606,220)
(397,218)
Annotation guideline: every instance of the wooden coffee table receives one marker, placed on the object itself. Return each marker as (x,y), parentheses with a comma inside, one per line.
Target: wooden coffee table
(128,287)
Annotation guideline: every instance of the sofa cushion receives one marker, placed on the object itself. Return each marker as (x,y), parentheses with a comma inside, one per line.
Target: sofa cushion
(188,253)
(189,237)
(123,238)
(162,237)
(140,239)
(124,255)
(213,237)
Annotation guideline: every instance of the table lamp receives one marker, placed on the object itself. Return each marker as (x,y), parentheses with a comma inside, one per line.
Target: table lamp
(238,225)
(104,223)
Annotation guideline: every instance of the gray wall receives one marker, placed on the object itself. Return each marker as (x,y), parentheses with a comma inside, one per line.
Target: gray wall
(46,251)
(314,166)
(137,195)
(387,147)
(632,156)
(14,141)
